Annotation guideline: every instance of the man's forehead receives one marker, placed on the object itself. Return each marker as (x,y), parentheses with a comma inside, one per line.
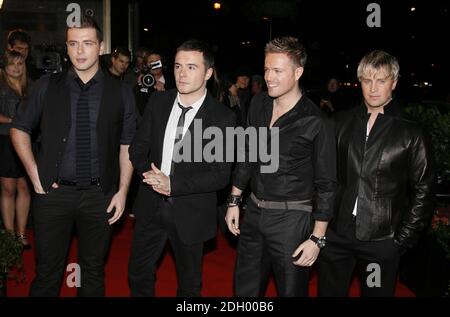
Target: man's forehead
(83,34)
(123,57)
(375,73)
(189,56)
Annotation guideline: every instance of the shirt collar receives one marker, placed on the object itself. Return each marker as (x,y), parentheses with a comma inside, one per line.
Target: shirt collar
(98,77)
(196,105)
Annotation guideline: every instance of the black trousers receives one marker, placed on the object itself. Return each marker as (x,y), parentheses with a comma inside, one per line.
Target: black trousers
(268,238)
(55,215)
(150,236)
(376,261)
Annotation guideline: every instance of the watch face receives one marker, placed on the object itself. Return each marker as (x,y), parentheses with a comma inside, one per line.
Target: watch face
(321,243)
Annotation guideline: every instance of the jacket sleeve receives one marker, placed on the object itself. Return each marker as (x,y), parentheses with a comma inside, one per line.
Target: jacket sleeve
(421,169)
(139,149)
(243,169)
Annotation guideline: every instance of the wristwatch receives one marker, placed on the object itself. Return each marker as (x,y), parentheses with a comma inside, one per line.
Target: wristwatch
(319,241)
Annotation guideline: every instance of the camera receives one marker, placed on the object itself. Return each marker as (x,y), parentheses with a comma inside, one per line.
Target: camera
(89,12)
(148,80)
(48,59)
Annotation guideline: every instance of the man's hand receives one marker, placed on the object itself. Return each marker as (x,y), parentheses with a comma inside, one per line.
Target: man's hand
(309,253)
(158,180)
(118,205)
(232,220)
(159,86)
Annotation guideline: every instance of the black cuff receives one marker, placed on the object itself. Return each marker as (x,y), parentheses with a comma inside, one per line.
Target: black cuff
(234,200)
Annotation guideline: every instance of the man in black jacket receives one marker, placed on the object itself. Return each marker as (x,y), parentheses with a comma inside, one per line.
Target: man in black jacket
(82,171)
(384,199)
(276,228)
(177,198)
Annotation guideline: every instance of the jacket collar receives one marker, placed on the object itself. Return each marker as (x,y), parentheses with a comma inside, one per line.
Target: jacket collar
(392,109)
(301,109)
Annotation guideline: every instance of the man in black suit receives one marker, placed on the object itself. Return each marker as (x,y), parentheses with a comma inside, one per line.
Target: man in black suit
(177,199)
(82,171)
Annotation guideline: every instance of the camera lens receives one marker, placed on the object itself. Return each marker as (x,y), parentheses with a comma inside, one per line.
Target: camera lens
(148,80)
(89,12)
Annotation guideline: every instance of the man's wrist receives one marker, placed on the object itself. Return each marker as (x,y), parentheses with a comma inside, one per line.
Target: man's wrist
(234,200)
(320,241)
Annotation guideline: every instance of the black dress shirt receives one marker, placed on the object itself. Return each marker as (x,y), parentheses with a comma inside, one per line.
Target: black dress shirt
(307,157)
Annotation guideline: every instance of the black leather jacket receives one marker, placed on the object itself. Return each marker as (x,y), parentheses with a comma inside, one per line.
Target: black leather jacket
(392,174)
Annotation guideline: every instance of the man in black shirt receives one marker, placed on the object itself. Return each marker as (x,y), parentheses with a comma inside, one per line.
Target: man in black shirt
(82,171)
(277,224)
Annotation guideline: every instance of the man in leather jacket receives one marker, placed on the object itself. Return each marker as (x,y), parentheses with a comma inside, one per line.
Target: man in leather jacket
(384,198)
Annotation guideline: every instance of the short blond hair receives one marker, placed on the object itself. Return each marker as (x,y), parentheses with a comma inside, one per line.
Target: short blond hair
(8,58)
(288,45)
(378,60)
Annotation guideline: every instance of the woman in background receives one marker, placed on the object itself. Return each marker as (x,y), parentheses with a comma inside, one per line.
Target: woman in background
(15,194)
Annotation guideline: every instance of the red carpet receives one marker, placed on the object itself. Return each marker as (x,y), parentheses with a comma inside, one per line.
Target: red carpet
(217,271)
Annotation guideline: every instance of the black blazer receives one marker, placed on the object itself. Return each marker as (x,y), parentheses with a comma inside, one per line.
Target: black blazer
(193,184)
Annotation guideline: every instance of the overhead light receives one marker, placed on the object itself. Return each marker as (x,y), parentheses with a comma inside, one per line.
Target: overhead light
(145,29)
(217,5)
(413,9)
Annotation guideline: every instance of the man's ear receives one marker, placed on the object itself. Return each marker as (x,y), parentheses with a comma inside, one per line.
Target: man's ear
(394,85)
(102,48)
(209,73)
(298,72)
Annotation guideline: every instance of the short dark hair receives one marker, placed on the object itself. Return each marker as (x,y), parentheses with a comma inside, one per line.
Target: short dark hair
(87,21)
(121,51)
(199,46)
(18,35)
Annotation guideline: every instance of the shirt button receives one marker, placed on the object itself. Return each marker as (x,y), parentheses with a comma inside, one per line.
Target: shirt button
(64,140)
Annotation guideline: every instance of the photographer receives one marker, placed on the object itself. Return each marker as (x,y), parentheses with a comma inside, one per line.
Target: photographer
(119,65)
(151,79)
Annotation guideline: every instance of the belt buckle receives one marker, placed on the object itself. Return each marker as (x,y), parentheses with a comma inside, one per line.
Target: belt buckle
(260,203)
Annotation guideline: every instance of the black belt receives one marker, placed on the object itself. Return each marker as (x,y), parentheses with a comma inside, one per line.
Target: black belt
(65,182)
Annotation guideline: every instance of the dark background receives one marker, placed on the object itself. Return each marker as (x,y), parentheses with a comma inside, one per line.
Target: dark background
(335,34)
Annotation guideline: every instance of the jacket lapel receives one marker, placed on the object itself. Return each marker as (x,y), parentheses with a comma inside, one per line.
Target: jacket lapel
(382,124)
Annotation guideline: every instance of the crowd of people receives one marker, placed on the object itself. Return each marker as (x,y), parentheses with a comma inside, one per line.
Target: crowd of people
(353,186)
